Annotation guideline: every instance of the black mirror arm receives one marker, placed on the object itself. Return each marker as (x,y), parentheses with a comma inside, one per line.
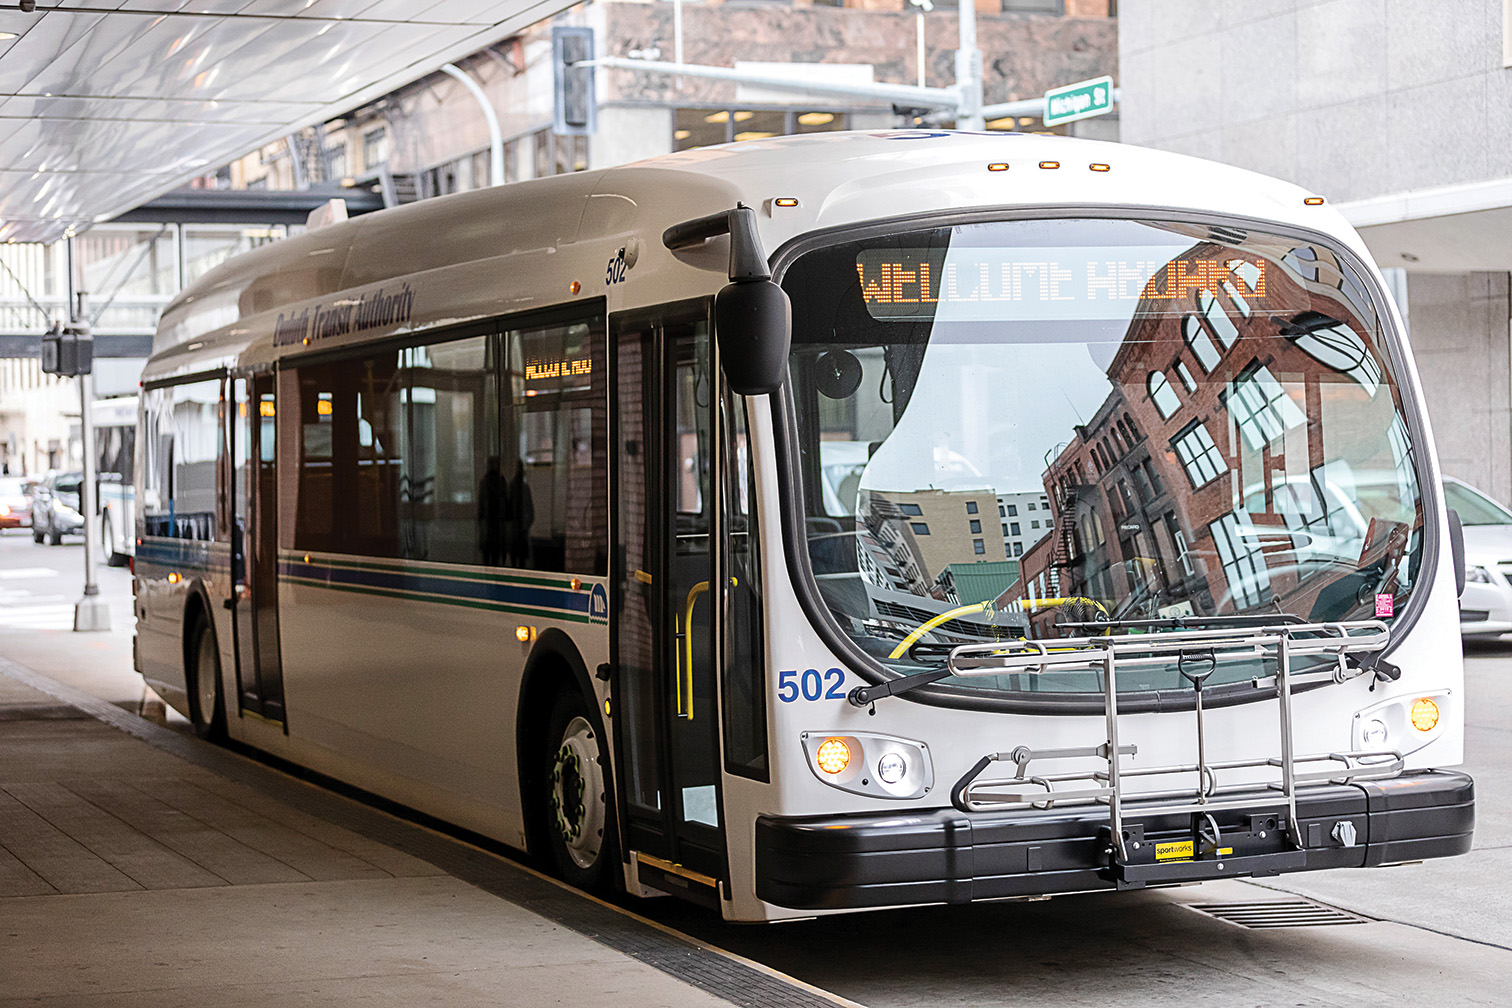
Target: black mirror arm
(747,258)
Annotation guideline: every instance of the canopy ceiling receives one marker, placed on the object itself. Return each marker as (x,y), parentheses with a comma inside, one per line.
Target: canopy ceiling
(105,104)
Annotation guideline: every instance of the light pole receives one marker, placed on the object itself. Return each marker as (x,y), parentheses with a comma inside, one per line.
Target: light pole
(923,7)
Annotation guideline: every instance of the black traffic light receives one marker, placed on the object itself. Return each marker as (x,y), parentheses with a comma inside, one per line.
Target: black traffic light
(68,350)
(573,103)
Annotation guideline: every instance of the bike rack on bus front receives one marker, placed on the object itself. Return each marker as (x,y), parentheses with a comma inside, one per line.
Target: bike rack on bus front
(1196,654)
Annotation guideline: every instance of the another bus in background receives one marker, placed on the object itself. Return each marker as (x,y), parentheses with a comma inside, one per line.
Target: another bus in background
(115,473)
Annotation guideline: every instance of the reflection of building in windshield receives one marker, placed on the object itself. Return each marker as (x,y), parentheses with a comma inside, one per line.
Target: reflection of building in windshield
(1222,472)
(911,538)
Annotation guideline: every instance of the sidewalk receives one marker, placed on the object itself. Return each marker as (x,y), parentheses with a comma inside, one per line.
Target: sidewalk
(140,866)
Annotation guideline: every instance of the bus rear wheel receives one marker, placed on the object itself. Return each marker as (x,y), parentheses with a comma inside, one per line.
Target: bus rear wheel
(206,711)
(575,793)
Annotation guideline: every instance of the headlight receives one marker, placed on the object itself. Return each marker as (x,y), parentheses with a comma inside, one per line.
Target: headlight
(1477,575)
(891,768)
(879,766)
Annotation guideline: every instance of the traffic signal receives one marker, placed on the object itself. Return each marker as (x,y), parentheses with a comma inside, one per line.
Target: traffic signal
(68,350)
(573,103)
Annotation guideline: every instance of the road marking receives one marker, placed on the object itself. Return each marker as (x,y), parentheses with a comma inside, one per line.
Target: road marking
(39,617)
(24,573)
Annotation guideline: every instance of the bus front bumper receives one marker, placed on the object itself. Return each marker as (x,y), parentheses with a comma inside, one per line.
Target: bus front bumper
(945,856)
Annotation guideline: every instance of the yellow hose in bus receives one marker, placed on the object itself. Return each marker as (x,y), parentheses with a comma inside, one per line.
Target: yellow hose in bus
(944,617)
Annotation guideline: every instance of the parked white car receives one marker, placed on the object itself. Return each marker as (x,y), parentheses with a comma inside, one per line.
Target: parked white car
(1486,606)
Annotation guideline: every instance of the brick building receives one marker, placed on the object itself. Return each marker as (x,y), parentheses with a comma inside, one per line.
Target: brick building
(1202,484)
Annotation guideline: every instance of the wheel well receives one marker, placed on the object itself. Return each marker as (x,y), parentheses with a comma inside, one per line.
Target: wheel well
(554,667)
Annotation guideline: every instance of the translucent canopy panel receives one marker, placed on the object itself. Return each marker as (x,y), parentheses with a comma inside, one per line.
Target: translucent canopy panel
(106,106)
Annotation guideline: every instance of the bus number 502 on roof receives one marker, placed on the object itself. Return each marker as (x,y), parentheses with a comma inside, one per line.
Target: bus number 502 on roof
(616,272)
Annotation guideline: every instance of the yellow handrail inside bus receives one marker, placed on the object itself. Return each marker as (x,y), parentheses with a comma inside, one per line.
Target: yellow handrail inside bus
(685,654)
(944,617)
(684,659)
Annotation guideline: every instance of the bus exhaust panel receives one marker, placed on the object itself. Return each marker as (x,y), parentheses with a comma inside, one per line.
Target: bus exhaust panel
(1269,839)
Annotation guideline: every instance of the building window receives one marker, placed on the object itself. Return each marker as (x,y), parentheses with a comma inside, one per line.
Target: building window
(1031,506)
(1012,510)
(978,547)
(1032,6)
(1165,398)
(910,509)
(1185,374)
(1014,527)
(1342,350)
(1005,529)
(1261,408)
(1034,524)
(1018,549)
(1217,318)
(1199,455)
(1243,563)
(976,525)
(971,507)
(1201,343)
(919,528)
(702,127)
(374,148)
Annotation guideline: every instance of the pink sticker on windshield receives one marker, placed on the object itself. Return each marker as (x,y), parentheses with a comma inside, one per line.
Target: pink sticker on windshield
(1385,604)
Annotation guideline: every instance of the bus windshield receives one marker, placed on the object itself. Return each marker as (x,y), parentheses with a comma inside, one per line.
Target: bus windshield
(1036,428)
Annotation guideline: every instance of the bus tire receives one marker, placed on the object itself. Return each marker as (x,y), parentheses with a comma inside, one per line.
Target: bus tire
(36,533)
(574,800)
(107,536)
(206,711)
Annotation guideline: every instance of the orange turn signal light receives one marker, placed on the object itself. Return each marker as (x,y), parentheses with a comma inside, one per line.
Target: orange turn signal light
(833,756)
(1425,714)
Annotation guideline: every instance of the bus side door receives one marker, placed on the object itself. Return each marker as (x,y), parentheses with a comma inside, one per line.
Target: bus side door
(665,579)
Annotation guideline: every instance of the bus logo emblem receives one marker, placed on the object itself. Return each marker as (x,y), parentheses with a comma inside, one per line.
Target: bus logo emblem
(598,605)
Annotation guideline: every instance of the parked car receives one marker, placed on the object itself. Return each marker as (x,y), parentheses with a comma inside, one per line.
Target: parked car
(15,502)
(56,507)
(1486,606)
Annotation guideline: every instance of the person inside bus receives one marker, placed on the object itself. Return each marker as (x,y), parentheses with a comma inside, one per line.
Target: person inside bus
(493,508)
(520,516)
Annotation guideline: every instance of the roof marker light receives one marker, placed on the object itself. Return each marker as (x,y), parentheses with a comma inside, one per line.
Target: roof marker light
(785,201)
(1098,167)
(1314,201)
(997,166)
(1049,164)
(574,287)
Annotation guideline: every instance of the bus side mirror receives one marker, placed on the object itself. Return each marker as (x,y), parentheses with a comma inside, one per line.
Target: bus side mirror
(753,322)
(753,319)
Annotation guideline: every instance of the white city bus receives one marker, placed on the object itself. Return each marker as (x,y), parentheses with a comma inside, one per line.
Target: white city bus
(517,507)
(115,426)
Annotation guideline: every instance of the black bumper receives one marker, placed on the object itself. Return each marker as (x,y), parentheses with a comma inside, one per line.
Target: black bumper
(944,856)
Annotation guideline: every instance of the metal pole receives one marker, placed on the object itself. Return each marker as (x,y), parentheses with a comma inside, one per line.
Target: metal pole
(969,72)
(90,612)
(919,34)
(495,137)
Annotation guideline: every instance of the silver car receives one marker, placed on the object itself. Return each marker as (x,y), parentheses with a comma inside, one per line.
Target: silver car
(1486,606)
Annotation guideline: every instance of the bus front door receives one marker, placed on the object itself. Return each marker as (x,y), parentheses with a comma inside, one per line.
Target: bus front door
(666,585)
(254,545)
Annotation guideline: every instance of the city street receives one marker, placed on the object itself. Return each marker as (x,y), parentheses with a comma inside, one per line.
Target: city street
(1439,931)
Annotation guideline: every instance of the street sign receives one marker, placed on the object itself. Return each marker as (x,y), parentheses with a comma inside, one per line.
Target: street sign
(1079,101)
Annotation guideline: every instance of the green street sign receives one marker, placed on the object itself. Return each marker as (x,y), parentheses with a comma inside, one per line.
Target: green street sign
(1079,101)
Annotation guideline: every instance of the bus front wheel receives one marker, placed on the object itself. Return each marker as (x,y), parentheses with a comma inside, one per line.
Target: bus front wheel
(575,794)
(107,536)
(205,708)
